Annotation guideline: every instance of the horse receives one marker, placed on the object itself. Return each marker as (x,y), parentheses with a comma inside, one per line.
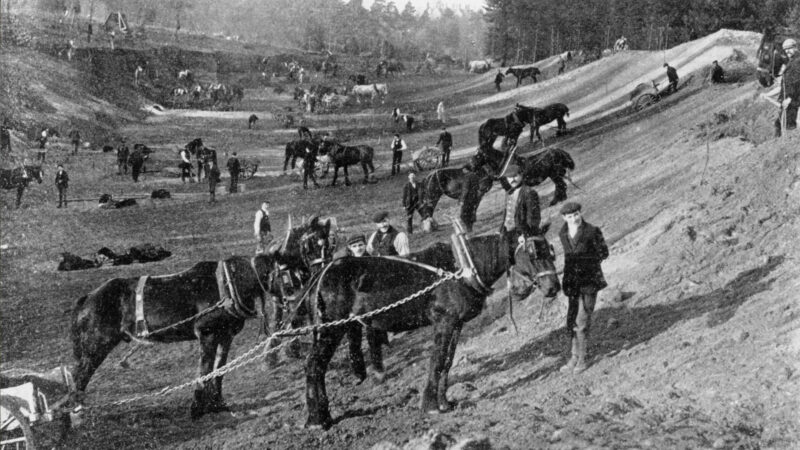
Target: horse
(524,72)
(407,119)
(373,91)
(342,156)
(479,66)
(510,127)
(355,286)
(297,149)
(536,117)
(209,301)
(450,182)
(553,163)
(18,178)
(385,67)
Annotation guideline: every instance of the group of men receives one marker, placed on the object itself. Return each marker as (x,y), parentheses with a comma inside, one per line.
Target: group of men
(777,96)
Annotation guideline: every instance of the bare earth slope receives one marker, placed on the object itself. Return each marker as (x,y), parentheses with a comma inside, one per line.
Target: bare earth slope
(694,345)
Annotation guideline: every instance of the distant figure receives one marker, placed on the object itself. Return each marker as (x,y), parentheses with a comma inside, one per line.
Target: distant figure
(621,44)
(407,119)
(562,64)
(300,75)
(309,166)
(446,141)
(111,39)
(5,137)
(136,74)
(252,121)
(412,200)
(441,114)
(234,167)
(89,32)
(717,74)
(186,166)
(41,154)
(498,79)
(262,229)
(70,50)
(672,77)
(136,160)
(123,155)
(62,182)
(213,179)
(398,145)
(75,136)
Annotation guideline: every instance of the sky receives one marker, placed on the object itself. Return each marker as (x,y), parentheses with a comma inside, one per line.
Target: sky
(419,5)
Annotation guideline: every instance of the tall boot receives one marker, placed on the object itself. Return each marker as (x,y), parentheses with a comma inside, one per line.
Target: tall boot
(573,359)
(580,346)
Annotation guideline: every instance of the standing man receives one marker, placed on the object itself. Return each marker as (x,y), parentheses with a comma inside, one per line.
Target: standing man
(186,166)
(213,178)
(234,167)
(41,154)
(309,166)
(262,229)
(62,182)
(75,135)
(470,197)
(136,161)
(446,140)
(412,200)
(584,249)
(123,154)
(561,65)
(387,241)
(5,137)
(672,77)
(398,145)
(717,74)
(89,33)
(498,79)
(523,213)
(441,113)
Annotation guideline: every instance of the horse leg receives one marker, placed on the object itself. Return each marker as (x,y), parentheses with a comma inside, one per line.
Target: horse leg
(444,404)
(562,124)
(217,403)
(204,393)
(366,171)
(442,334)
(335,174)
(376,338)
(346,176)
(20,190)
(319,415)
(286,161)
(356,355)
(91,347)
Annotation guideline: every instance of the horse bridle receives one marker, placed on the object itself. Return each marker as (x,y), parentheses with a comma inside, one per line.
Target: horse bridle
(325,254)
(543,273)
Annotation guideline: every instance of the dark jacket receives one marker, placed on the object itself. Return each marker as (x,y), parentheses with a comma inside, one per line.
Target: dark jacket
(123,153)
(62,179)
(528,215)
(136,158)
(446,139)
(717,74)
(383,243)
(233,165)
(672,74)
(213,176)
(498,78)
(582,271)
(412,196)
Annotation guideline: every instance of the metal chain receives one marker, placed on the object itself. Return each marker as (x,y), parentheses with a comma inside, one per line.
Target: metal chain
(250,355)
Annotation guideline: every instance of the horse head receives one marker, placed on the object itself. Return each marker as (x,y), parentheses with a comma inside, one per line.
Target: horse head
(534,267)
(316,244)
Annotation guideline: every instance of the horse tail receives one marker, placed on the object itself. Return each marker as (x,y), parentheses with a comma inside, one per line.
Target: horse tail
(75,329)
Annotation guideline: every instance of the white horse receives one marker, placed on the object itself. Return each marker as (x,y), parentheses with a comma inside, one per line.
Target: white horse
(480,66)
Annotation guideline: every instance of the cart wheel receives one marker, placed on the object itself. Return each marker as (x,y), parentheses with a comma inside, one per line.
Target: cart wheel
(643,101)
(20,438)
(428,159)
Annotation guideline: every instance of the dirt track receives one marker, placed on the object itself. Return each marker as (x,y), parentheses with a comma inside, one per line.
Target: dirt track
(694,345)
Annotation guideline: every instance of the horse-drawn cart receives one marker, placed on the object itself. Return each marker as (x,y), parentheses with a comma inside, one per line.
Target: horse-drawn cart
(645,95)
(427,158)
(25,406)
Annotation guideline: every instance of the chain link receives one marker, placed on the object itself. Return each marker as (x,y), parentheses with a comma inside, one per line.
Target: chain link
(250,355)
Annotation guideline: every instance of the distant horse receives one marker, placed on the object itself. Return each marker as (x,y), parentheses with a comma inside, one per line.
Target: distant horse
(509,127)
(297,149)
(390,66)
(522,73)
(344,156)
(536,117)
(354,286)
(210,301)
(553,163)
(371,91)
(479,66)
(407,119)
(17,179)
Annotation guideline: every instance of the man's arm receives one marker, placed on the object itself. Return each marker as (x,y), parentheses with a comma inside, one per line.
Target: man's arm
(257,224)
(370,248)
(401,244)
(600,244)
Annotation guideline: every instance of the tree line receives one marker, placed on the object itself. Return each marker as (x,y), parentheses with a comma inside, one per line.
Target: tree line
(528,30)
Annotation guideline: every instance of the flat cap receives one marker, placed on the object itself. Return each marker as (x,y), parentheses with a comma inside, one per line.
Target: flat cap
(512,170)
(356,238)
(570,207)
(380,217)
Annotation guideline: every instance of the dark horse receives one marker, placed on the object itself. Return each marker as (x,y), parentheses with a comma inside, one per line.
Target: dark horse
(297,149)
(209,302)
(202,153)
(536,117)
(107,316)
(342,156)
(17,179)
(510,127)
(354,286)
(522,73)
(553,163)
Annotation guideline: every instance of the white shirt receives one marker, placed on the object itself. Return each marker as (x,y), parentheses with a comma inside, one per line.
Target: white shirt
(257,224)
(185,156)
(511,208)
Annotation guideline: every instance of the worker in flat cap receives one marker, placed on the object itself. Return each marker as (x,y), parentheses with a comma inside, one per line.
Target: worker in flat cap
(387,240)
(523,212)
(356,246)
(584,249)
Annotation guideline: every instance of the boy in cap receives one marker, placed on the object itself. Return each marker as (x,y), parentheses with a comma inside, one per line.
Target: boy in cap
(356,247)
(584,249)
(62,182)
(522,212)
(386,240)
